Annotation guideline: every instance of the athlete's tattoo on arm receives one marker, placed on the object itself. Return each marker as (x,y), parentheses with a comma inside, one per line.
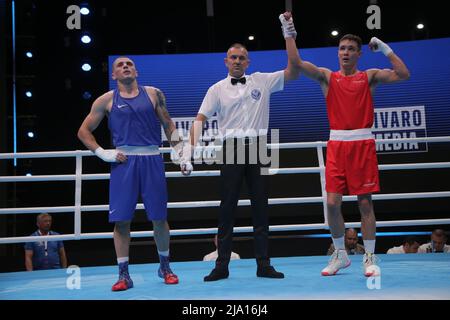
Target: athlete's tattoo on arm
(166,121)
(161,109)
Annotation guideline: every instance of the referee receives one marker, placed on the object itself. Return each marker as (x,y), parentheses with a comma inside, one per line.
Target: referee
(241,103)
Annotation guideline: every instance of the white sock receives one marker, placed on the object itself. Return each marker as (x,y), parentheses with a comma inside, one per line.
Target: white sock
(369,245)
(122,260)
(339,243)
(164,253)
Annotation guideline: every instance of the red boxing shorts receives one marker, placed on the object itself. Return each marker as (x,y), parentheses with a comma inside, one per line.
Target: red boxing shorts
(352,167)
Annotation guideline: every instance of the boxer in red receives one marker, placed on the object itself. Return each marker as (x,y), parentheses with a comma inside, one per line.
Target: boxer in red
(351,165)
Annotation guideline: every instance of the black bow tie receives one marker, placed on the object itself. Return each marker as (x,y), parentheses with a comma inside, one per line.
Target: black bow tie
(241,80)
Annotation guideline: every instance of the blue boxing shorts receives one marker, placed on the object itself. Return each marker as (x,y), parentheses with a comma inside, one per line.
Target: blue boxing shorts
(140,175)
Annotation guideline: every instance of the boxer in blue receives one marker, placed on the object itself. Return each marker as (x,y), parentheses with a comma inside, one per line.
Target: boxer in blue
(135,115)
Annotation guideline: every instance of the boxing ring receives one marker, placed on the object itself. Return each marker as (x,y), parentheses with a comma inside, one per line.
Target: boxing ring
(402,276)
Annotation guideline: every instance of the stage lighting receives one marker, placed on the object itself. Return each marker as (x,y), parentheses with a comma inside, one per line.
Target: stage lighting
(84,11)
(85,39)
(86,67)
(87,95)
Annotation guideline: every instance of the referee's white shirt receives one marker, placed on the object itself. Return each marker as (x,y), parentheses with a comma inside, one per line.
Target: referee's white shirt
(242,109)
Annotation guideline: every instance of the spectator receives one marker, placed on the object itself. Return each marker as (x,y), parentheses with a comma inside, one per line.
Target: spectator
(437,244)
(46,254)
(351,243)
(410,245)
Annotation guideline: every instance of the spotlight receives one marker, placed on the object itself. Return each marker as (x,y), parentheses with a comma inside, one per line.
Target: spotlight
(251,38)
(87,95)
(29,54)
(28,174)
(85,39)
(30,134)
(84,11)
(420,26)
(29,94)
(334,33)
(170,45)
(86,67)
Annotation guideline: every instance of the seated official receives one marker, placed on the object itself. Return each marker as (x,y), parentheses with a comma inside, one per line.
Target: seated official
(43,255)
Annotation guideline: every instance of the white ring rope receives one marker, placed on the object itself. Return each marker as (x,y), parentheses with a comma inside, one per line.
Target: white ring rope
(215,173)
(216,203)
(289,145)
(211,231)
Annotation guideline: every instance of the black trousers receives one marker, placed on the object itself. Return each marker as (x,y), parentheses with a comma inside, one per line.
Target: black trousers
(231,179)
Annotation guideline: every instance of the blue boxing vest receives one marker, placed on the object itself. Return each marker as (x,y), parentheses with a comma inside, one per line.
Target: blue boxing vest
(133,121)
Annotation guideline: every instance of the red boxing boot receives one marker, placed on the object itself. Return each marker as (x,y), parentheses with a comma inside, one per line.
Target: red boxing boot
(168,276)
(123,284)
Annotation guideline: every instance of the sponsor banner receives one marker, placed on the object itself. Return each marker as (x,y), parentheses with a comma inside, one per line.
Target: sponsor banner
(183,125)
(400,123)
